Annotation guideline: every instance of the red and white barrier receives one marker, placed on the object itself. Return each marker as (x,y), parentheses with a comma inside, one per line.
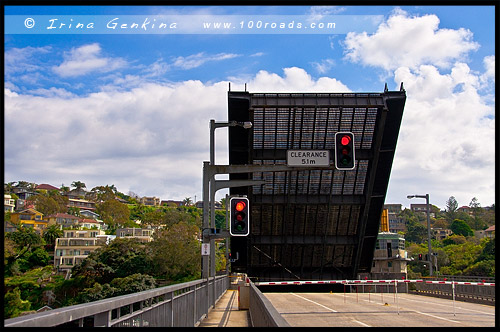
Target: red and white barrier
(356,282)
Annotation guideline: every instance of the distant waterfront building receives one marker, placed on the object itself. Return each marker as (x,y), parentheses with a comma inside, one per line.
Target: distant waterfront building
(76,245)
(390,258)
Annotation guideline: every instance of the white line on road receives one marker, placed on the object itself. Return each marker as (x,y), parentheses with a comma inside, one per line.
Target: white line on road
(356,321)
(447,305)
(314,302)
(449,320)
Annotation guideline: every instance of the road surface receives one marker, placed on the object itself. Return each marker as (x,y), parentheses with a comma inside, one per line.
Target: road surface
(379,310)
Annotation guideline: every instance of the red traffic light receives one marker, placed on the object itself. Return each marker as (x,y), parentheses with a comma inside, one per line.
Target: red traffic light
(240,206)
(344,151)
(345,140)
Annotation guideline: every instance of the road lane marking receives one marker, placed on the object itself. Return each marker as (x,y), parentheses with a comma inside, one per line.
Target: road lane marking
(447,305)
(356,321)
(314,302)
(449,320)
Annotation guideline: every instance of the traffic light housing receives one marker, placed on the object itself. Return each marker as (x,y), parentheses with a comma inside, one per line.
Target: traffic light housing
(239,217)
(344,151)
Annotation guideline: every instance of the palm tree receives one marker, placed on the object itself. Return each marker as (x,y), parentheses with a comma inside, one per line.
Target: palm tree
(187,201)
(51,234)
(78,185)
(64,188)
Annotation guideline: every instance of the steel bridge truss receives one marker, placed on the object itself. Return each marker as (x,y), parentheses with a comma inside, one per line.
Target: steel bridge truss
(313,224)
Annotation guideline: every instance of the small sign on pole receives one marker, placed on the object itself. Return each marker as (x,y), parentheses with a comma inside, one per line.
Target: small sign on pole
(308,158)
(205,249)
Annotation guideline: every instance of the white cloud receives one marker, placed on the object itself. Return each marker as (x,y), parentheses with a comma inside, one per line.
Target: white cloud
(196,60)
(405,41)
(151,139)
(294,79)
(324,66)
(86,59)
(19,60)
(446,142)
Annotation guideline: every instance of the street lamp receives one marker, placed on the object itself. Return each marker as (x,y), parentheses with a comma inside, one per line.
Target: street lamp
(426,196)
(209,193)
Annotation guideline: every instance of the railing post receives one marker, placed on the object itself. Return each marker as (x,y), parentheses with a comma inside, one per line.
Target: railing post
(102,319)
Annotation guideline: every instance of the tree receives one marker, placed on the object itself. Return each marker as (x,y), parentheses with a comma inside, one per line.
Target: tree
(14,305)
(51,234)
(48,205)
(175,252)
(25,240)
(119,259)
(187,201)
(460,227)
(64,189)
(102,193)
(475,206)
(416,232)
(78,185)
(113,212)
(451,208)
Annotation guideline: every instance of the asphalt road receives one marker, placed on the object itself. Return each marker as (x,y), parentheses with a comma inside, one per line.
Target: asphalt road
(378,310)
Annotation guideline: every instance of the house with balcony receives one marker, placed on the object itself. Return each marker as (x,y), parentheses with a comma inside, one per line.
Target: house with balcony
(150,201)
(76,245)
(8,203)
(89,214)
(142,234)
(82,204)
(64,220)
(29,218)
(441,233)
(422,208)
(85,223)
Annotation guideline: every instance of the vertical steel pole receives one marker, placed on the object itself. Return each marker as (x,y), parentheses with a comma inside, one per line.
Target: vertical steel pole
(212,203)
(429,250)
(205,258)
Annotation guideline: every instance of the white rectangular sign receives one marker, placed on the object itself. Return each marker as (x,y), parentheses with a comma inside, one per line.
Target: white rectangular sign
(308,157)
(205,249)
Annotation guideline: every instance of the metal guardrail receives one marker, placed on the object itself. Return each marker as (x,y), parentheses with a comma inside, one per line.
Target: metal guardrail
(467,292)
(181,305)
(262,312)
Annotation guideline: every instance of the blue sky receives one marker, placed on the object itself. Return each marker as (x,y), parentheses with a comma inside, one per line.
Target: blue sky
(133,109)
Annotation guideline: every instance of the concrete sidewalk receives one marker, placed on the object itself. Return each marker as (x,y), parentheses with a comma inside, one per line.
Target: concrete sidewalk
(226,313)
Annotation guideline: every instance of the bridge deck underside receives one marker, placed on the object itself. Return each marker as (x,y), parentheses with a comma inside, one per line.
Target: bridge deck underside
(309,224)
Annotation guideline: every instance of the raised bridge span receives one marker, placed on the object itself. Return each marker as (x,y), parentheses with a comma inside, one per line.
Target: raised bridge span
(312,224)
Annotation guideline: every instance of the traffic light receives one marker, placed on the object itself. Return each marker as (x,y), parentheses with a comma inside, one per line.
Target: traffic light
(344,150)
(239,224)
(419,257)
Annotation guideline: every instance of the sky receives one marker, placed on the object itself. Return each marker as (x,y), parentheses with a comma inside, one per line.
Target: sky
(124,95)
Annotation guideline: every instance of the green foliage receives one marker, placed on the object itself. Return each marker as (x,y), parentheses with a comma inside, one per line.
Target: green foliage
(14,305)
(454,239)
(220,219)
(31,286)
(416,232)
(460,227)
(19,247)
(136,282)
(116,260)
(52,233)
(175,252)
(38,257)
(113,212)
